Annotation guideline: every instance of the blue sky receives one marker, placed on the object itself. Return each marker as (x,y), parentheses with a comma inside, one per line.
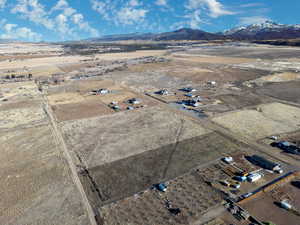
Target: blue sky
(58,20)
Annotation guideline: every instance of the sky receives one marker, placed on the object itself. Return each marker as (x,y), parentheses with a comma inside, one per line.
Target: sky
(61,20)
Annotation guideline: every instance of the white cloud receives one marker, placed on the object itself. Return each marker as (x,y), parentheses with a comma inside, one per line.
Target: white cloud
(12,31)
(103,8)
(214,7)
(62,25)
(62,18)
(33,11)
(252,20)
(78,19)
(63,5)
(2,4)
(251,5)
(161,3)
(70,14)
(195,19)
(130,16)
(134,3)
(132,12)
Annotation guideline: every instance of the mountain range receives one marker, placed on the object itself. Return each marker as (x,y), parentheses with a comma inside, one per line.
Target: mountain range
(262,31)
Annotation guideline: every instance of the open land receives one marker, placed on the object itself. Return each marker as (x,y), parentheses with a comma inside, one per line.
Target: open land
(89,131)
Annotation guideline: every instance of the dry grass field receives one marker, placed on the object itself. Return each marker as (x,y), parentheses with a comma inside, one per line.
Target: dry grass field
(36,187)
(28,48)
(14,92)
(211,59)
(278,77)
(22,117)
(188,192)
(113,137)
(263,121)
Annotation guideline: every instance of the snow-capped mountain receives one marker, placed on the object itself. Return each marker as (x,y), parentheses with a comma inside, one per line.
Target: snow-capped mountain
(266,30)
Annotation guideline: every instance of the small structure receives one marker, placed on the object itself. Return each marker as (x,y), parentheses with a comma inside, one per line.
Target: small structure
(254,177)
(130,108)
(236,185)
(284,204)
(102,91)
(247,195)
(116,107)
(225,183)
(191,103)
(212,83)
(228,160)
(163,92)
(161,187)
(240,178)
(190,95)
(197,98)
(275,138)
(134,101)
(188,89)
(264,163)
(287,146)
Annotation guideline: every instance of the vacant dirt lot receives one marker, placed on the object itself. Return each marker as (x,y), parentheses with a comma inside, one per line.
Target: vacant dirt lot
(36,185)
(130,55)
(288,91)
(198,72)
(22,117)
(25,48)
(240,100)
(211,59)
(81,110)
(40,62)
(263,121)
(277,77)
(65,98)
(249,51)
(14,92)
(113,137)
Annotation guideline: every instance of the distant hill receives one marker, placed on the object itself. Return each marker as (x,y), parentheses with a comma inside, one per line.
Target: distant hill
(124,37)
(182,34)
(188,34)
(264,31)
(3,41)
(268,30)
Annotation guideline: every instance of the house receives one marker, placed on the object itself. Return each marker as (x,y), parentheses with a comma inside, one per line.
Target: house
(102,91)
(191,103)
(163,92)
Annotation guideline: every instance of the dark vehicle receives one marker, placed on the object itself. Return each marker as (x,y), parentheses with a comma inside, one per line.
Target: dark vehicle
(161,187)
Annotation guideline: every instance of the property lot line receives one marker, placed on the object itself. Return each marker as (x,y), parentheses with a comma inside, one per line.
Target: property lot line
(58,136)
(208,124)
